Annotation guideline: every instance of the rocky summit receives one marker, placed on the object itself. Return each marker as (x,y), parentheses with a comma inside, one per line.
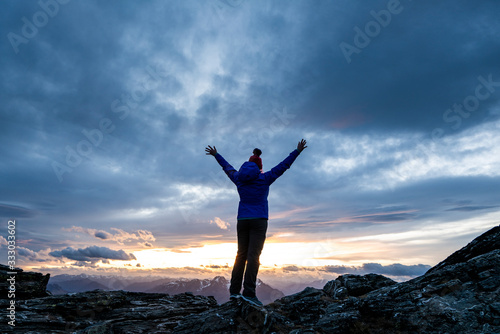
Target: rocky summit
(459,295)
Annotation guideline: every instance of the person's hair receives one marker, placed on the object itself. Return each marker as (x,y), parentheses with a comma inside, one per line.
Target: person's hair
(257,152)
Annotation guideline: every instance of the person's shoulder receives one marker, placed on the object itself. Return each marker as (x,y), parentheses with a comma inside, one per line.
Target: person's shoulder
(264,176)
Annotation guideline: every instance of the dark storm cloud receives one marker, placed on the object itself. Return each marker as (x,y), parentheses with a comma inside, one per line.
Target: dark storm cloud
(473,208)
(395,269)
(28,254)
(412,71)
(8,211)
(391,217)
(290,268)
(92,253)
(213,266)
(84,76)
(102,235)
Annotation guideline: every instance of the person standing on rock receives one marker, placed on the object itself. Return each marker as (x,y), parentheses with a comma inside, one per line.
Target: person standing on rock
(253,213)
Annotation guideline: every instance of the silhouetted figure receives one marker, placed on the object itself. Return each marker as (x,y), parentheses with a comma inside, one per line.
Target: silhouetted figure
(253,213)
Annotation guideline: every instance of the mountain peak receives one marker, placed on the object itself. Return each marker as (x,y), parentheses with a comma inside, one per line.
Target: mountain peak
(484,244)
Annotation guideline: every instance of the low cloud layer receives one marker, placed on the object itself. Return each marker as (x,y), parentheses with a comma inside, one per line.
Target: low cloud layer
(118,235)
(395,269)
(92,253)
(220,223)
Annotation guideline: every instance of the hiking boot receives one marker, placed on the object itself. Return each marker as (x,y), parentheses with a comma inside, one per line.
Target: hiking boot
(235,296)
(252,300)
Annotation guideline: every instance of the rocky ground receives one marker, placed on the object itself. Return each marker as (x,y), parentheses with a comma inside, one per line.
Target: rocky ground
(459,295)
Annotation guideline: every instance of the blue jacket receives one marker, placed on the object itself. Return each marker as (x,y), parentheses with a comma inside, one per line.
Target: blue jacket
(253,186)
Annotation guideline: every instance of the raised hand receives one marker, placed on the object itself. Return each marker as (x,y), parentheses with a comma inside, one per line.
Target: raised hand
(301,145)
(211,150)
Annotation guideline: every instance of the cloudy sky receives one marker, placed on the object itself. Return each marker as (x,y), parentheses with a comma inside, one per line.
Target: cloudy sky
(107,108)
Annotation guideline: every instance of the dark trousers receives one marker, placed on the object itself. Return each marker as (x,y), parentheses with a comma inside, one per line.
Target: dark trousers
(251,237)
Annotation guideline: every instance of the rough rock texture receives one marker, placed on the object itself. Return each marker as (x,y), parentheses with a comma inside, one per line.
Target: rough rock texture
(105,312)
(485,243)
(459,295)
(28,284)
(355,285)
(231,317)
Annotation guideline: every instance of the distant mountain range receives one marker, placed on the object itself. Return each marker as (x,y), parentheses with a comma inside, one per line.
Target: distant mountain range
(218,287)
(294,287)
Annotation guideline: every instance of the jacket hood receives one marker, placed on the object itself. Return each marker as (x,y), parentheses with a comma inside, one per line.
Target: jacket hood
(248,172)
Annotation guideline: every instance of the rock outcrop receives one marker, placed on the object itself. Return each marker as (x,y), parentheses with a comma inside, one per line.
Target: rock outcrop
(27,284)
(459,295)
(106,312)
(355,285)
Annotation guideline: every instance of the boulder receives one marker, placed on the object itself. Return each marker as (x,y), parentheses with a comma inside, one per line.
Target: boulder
(27,284)
(356,285)
(101,311)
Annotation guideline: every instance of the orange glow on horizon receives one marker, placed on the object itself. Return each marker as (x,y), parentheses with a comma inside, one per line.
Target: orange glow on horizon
(222,254)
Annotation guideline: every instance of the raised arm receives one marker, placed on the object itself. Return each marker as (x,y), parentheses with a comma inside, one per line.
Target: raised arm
(277,171)
(226,167)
